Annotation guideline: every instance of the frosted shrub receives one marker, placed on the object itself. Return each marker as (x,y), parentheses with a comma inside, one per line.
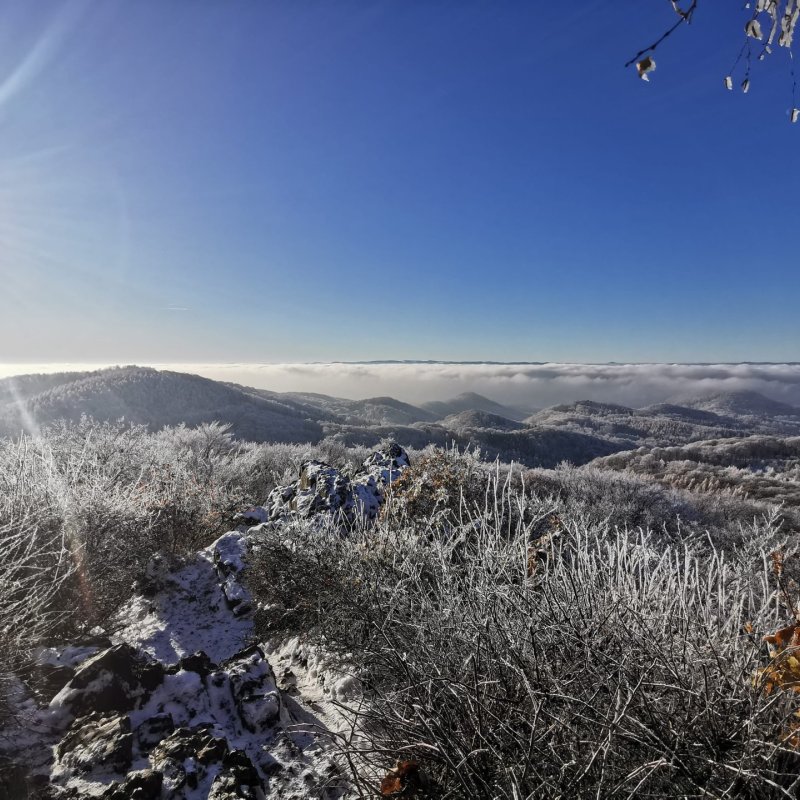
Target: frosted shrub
(35,566)
(627,502)
(439,488)
(612,663)
(117,494)
(612,669)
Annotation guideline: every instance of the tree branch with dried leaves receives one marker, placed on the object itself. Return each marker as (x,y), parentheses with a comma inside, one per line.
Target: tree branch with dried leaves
(768,22)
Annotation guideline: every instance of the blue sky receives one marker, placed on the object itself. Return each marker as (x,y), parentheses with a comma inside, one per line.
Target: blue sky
(244,180)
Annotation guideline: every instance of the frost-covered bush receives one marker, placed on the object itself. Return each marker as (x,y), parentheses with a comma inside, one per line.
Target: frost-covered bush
(626,502)
(729,471)
(446,488)
(441,488)
(116,494)
(35,566)
(519,632)
(618,500)
(614,666)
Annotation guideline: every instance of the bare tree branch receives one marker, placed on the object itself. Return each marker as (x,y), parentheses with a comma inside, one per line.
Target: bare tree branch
(684,17)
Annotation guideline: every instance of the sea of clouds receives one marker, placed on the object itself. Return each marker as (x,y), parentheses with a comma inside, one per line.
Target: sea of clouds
(527,385)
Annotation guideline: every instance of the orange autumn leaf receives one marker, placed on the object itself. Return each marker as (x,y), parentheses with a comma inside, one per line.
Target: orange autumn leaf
(783,672)
(402,781)
(783,639)
(391,785)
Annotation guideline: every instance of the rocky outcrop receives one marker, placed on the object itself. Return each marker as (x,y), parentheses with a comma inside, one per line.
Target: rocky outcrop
(348,499)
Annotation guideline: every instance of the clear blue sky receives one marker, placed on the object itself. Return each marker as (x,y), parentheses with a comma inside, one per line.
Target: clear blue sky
(245,180)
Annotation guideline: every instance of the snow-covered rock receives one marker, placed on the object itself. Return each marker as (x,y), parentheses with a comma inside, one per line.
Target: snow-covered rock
(112,680)
(54,667)
(323,489)
(252,516)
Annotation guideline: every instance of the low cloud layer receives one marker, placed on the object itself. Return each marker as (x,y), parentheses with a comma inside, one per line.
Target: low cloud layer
(525,385)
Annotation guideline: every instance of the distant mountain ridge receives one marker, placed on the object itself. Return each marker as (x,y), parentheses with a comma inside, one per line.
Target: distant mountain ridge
(471,401)
(720,415)
(372,410)
(24,387)
(740,403)
(577,432)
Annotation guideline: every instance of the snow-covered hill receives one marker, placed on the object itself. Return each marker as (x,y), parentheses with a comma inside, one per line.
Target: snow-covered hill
(150,397)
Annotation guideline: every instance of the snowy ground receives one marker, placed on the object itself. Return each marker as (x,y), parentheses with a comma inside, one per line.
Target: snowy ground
(190,613)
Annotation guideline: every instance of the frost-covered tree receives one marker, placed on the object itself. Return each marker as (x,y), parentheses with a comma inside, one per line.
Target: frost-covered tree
(766,24)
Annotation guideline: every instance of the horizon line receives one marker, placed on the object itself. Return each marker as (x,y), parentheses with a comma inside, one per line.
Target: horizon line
(399,362)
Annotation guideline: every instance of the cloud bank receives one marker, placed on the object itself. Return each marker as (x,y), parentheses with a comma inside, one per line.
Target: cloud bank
(526,385)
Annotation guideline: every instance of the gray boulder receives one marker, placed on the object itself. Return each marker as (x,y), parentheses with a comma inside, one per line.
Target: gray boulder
(97,741)
(347,499)
(111,681)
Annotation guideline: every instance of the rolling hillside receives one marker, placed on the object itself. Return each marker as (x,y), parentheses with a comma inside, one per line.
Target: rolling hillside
(153,398)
